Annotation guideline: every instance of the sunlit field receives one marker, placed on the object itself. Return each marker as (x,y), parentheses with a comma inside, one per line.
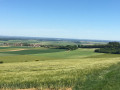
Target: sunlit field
(59,45)
(54,69)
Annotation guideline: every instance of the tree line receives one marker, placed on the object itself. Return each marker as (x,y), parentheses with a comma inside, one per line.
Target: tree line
(92,46)
(111,47)
(69,47)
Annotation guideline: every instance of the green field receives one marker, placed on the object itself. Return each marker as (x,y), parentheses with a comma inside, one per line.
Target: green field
(56,43)
(53,69)
(44,42)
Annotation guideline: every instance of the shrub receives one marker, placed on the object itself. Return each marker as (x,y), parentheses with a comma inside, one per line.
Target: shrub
(36,60)
(1,62)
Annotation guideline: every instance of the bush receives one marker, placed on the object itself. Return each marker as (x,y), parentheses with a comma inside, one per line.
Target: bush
(97,50)
(1,62)
(36,60)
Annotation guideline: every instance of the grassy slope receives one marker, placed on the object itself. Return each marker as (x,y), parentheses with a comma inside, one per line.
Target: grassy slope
(43,54)
(8,56)
(80,69)
(51,74)
(105,79)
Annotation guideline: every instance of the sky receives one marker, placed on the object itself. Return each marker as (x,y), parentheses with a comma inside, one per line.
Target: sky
(77,19)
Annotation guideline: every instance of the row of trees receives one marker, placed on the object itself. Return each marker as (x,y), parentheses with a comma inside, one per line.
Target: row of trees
(111,47)
(92,46)
(69,47)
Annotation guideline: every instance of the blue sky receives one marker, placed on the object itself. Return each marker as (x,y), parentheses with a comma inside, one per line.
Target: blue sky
(80,19)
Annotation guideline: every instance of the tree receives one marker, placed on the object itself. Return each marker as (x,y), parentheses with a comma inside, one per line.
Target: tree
(111,47)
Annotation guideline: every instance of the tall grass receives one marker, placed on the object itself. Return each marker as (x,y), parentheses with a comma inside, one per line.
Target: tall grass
(104,79)
(72,73)
(42,68)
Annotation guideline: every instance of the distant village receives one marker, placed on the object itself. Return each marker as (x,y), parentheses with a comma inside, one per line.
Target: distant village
(23,44)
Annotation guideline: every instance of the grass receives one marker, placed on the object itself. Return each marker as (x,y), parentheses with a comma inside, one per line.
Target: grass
(81,69)
(33,51)
(76,54)
(33,54)
(105,79)
(51,74)
(105,56)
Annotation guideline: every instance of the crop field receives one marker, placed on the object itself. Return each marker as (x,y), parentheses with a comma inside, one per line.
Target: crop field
(57,43)
(57,69)
(42,42)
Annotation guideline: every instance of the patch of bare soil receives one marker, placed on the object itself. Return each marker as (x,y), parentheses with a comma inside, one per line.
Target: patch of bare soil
(18,50)
(66,89)
(27,89)
(4,46)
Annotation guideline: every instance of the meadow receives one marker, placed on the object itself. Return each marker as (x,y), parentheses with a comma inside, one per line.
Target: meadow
(58,69)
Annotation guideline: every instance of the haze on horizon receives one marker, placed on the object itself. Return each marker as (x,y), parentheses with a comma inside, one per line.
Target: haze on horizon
(78,19)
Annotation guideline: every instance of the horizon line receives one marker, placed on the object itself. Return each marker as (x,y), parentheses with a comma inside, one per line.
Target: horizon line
(56,38)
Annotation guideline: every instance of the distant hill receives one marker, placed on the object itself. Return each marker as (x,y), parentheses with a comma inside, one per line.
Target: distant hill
(5,38)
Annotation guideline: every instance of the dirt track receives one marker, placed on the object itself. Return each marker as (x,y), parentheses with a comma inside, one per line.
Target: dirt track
(18,50)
